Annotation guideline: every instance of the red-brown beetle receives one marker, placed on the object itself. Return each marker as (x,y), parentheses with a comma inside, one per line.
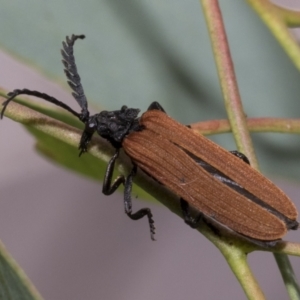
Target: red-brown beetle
(221,185)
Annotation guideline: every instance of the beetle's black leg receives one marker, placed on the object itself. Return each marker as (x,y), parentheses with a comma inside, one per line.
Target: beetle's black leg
(108,187)
(44,96)
(240,155)
(155,105)
(128,204)
(188,219)
(198,220)
(85,139)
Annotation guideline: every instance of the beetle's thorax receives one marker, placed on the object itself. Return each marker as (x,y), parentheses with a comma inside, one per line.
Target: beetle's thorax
(114,126)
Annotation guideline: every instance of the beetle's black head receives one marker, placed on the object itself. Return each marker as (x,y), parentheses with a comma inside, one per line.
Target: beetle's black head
(113,126)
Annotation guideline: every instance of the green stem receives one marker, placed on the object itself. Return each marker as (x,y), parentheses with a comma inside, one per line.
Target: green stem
(288,275)
(276,22)
(230,91)
(227,78)
(237,261)
(286,248)
(290,17)
(278,125)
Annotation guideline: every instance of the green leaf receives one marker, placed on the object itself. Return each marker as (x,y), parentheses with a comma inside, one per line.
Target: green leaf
(13,281)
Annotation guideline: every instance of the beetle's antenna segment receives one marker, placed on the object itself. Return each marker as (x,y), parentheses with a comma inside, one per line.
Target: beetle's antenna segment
(44,96)
(73,76)
(74,82)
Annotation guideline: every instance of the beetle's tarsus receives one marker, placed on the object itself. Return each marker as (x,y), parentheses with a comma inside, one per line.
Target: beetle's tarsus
(128,204)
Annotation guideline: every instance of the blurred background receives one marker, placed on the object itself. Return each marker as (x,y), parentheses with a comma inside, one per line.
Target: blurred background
(72,241)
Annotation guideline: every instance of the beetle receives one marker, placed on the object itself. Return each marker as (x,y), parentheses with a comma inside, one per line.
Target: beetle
(220,185)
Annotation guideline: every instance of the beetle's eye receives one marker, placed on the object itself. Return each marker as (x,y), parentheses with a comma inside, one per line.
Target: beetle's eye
(113,127)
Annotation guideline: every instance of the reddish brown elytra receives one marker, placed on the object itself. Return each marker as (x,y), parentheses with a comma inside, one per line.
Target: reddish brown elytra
(221,185)
(168,151)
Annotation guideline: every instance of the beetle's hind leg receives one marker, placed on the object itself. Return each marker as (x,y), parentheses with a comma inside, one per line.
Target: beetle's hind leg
(109,188)
(240,155)
(194,222)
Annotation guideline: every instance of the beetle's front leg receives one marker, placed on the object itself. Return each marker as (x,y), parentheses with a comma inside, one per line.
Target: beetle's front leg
(128,204)
(108,187)
(85,140)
